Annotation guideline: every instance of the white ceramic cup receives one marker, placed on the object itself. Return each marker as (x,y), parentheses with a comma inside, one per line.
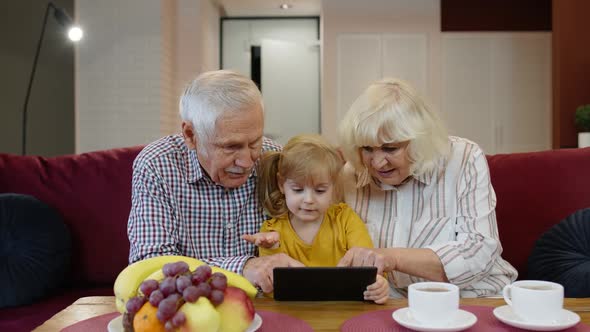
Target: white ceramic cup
(433,303)
(535,301)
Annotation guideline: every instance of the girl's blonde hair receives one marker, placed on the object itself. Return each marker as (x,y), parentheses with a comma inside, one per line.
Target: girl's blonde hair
(391,111)
(304,159)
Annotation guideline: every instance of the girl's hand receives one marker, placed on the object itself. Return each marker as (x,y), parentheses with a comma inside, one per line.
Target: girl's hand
(378,291)
(268,240)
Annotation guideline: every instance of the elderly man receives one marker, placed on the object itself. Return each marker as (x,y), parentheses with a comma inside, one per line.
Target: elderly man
(194,194)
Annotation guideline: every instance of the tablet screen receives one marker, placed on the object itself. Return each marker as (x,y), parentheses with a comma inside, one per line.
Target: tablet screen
(322,283)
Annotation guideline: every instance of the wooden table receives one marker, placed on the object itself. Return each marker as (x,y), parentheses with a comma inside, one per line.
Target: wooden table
(321,316)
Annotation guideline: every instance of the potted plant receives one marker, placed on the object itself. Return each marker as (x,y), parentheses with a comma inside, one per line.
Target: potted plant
(582,121)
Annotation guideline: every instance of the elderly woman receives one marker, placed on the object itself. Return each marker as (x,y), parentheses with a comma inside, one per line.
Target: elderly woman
(426,197)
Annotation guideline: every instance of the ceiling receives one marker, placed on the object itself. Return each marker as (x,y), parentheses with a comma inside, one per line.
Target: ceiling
(269,7)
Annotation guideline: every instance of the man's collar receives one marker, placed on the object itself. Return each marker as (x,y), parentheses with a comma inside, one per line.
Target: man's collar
(194,171)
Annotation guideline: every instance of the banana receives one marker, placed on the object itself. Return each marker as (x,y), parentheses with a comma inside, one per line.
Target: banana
(128,281)
(236,280)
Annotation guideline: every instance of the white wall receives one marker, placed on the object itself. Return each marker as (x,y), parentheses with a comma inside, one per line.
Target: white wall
(131,67)
(497,89)
(493,88)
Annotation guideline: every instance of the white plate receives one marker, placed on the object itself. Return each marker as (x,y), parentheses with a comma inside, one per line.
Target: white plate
(256,323)
(463,320)
(507,316)
(116,324)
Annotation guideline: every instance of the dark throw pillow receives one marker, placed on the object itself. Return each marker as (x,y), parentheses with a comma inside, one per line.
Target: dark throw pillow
(35,250)
(562,255)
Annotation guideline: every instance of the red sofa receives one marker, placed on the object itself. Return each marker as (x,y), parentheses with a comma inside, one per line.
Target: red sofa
(92,193)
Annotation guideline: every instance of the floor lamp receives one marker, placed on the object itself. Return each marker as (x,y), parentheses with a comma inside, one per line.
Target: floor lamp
(74,33)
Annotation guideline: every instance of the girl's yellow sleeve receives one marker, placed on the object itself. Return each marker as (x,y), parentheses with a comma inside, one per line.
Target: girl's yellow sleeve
(357,234)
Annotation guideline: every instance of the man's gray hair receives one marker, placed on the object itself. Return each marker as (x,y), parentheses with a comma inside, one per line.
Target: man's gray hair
(212,94)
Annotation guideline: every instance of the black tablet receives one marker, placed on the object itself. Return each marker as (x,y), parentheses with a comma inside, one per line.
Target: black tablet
(322,283)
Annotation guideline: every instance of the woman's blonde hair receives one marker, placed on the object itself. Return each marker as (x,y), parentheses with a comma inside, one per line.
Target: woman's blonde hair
(305,159)
(391,111)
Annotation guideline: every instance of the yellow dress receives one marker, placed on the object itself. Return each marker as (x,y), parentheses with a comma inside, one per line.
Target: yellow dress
(341,230)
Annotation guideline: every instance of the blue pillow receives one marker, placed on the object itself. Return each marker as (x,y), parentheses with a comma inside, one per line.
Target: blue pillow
(562,255)
(35,250)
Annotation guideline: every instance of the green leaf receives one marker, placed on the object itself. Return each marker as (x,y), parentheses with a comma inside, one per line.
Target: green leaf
(582,118)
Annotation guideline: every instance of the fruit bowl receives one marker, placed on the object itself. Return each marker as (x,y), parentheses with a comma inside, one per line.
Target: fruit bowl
(116,324)
(183,295)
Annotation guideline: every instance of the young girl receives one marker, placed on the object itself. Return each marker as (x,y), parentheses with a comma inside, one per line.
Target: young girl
(298,187)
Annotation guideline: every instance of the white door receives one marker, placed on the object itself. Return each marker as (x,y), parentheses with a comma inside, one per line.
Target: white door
(290,88)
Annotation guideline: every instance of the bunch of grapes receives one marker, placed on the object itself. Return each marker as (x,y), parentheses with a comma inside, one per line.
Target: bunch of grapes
(179,286)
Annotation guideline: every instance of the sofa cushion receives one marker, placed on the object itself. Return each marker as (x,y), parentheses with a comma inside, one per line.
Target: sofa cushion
(35,250)
(535,191)
(27,318)
(562,255)
(92,192)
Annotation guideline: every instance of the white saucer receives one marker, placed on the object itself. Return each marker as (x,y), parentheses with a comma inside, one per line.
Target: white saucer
(463,320)
(567,319)
(116,324)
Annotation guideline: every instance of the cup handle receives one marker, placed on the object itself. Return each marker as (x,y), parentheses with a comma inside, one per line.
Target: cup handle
(506,292)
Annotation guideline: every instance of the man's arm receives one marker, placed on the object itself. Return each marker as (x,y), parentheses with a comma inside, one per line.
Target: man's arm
(152,217)
(259,270)
(233,263)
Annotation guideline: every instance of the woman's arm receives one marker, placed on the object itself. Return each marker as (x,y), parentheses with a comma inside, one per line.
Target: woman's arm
(419,262)
(471,256)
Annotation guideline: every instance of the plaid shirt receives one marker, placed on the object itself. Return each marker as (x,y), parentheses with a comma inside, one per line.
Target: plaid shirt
(177,210)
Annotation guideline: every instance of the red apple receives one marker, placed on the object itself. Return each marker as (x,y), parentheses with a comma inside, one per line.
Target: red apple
(236,310)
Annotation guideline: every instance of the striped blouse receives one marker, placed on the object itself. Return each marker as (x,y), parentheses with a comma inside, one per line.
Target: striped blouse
(450,210)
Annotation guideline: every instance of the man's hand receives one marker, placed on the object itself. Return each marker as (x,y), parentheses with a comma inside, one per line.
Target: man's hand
(259,269)
(367,257)
(378,291)
(268,240)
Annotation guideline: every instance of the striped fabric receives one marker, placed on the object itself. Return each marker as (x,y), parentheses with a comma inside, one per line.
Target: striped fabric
(450,210)
(177,210)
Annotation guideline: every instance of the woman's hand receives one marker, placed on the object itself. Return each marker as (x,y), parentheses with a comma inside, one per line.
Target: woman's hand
(378,291)
(268,240)
(367,257)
